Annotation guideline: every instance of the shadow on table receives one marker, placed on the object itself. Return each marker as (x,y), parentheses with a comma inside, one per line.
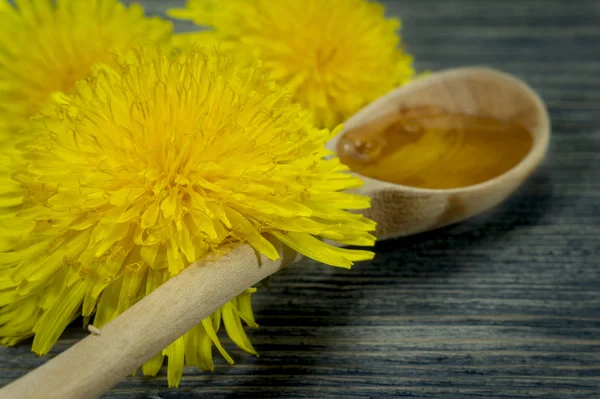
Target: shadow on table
(526,208)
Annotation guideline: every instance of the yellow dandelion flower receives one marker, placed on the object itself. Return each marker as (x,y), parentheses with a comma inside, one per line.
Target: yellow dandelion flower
(147,168)
(336,56)
(47,46)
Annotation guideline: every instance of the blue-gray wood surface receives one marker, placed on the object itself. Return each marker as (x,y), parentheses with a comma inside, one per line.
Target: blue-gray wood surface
(504,305)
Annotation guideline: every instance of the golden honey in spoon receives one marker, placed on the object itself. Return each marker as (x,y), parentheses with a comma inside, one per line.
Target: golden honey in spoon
(429,147)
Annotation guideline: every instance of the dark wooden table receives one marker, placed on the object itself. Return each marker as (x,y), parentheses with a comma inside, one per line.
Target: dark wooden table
(504,305)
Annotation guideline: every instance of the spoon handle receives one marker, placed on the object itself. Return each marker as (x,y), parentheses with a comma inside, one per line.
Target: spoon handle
(98,362)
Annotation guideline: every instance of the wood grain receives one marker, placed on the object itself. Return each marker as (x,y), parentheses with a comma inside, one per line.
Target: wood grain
(506,305)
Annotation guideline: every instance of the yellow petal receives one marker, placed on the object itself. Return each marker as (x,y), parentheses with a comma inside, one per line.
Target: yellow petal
(235,330)
(318,250)
(208,327)
(241,225)
(175,352)
(53,322)
(152,366)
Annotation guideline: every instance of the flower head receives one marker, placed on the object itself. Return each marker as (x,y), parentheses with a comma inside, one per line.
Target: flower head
(47,46)
(336,56)
(148,167)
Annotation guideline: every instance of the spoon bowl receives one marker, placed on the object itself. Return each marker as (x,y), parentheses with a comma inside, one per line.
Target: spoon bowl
(403,210)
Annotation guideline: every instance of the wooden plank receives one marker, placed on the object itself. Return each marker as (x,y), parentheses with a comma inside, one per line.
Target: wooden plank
(504,305)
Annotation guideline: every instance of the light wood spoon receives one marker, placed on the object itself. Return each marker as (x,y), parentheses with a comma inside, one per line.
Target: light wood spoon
(98,362)
(401,210)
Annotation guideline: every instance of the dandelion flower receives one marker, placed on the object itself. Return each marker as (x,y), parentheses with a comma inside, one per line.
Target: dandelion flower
(144,169)
(47,46)
(336,56)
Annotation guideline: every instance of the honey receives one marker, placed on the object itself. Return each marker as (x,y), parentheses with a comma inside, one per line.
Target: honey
(428,147)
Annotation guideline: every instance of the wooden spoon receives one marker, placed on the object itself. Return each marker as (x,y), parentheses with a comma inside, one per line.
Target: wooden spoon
(401,210)
(104,358)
